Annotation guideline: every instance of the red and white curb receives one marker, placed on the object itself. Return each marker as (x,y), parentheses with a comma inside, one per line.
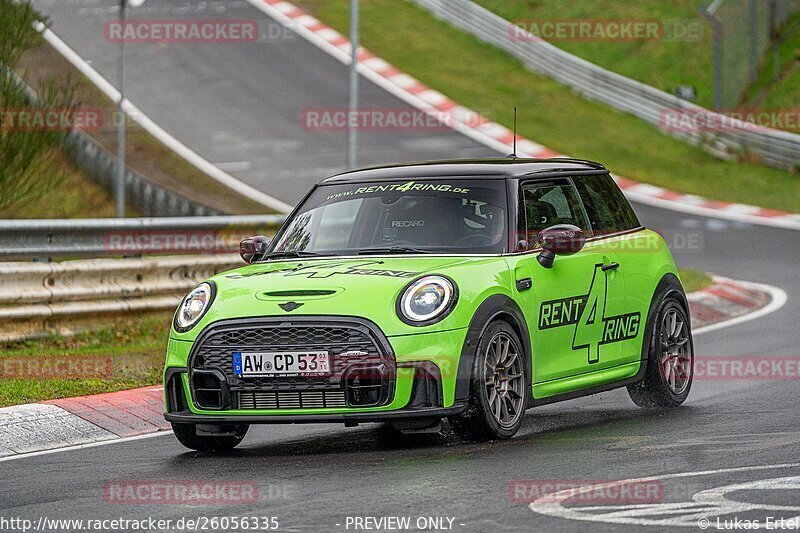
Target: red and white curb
(492,134)
(728,302)
(54,424)
(93,420)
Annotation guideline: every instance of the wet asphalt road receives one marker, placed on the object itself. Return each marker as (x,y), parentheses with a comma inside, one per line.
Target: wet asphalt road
(313,477)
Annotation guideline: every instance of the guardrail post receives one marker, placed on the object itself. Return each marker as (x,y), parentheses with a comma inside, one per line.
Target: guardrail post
(753,41)
(717,32)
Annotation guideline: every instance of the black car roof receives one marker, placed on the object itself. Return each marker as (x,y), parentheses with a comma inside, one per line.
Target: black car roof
(499,168)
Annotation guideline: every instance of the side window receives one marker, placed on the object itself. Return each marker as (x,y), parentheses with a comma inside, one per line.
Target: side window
(547,203)
(606,207)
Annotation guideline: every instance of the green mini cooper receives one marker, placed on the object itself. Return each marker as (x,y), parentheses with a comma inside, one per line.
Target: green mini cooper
(466,290)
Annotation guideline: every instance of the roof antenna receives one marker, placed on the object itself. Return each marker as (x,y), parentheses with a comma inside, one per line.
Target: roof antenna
(513,154)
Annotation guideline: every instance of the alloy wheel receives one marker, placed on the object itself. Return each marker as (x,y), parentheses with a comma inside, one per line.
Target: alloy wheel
(504,379)
(675,360)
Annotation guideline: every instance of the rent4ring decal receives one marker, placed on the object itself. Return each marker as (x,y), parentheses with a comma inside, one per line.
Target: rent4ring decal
(555,313)
(587,313)
(402,187)
(326,270)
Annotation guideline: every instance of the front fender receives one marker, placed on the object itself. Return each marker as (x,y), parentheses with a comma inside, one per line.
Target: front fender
(498,306)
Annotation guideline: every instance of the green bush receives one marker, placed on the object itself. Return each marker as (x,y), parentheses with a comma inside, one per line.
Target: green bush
(29,155)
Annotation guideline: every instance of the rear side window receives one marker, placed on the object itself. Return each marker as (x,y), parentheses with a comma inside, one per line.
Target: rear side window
(607,208)
(547,203)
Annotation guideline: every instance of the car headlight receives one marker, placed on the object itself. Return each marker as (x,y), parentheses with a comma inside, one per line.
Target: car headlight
(427,300)
(193,307)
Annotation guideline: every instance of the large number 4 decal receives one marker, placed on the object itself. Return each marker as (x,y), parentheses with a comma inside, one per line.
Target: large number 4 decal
(589,329)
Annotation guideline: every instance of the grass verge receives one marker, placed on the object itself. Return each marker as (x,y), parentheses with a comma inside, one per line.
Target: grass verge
(135,348)
(492,82)
(76,195)
(663,63)
(694,280)
(667,62)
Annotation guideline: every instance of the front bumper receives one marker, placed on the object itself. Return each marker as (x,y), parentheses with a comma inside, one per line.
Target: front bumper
(187,417)
(422,386)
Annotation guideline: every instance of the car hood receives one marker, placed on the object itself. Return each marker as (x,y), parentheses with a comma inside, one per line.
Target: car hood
(362,287)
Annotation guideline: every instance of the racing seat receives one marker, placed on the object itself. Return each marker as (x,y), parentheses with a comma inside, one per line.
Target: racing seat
(411,220)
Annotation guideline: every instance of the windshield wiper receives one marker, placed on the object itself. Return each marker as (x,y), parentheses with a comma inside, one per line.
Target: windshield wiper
(291,253)
(393,250)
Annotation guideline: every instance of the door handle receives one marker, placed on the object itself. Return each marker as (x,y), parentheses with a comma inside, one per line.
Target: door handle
(609,266)
(524,284)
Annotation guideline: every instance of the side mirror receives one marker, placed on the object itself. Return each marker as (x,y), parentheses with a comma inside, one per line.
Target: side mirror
(253,248)
(562,239)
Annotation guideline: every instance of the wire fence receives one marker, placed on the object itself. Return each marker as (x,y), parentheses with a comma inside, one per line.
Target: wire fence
(744,30)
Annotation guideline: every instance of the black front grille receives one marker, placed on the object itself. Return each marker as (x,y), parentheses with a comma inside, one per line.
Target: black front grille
(291,399)
(350,343)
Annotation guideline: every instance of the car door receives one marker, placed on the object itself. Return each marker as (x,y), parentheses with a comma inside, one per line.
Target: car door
(566,303)
(618,237)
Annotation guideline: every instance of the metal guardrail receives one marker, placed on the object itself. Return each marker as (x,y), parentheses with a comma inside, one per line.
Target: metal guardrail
(37,299)
(147,197)
(40,298)
(44,239)
(775,148)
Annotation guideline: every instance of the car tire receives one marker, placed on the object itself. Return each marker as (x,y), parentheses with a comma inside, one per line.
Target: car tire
(670,361)
(187,435)
(498,388)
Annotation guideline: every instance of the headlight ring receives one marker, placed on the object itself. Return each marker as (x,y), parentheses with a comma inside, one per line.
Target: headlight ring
(194,306)
(427,300)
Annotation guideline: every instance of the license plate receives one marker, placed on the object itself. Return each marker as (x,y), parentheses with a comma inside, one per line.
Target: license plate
(267,364)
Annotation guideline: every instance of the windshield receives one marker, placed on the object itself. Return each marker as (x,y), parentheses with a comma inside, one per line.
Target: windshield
(449,215)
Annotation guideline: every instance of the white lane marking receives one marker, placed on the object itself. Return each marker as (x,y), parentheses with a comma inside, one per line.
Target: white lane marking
(157,131)
(235,166)
(778,299)
(684,513)
(84,446)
